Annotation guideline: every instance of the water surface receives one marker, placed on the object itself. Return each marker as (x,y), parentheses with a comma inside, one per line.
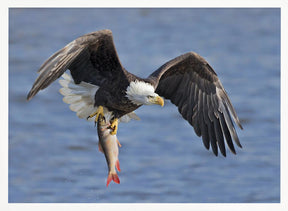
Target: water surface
(53,155)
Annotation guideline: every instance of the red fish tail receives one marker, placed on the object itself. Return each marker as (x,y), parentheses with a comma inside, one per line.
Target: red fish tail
(114,177)
(118,165)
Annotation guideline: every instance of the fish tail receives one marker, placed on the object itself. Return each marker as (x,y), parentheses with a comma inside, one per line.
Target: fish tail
(114,177)
(118,165)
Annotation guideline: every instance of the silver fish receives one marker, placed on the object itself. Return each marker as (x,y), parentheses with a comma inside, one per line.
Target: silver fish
(108,144)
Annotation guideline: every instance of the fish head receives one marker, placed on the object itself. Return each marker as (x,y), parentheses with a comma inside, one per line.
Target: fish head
(103,125)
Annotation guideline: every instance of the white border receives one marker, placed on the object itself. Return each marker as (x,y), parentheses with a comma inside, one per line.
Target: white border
(284,105)
(147,3)
(283,4)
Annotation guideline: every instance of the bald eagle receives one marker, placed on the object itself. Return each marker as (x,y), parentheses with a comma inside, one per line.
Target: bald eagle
(99,85)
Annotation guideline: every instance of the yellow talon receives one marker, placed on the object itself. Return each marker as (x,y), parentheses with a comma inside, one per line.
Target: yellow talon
(114,126)
(97,113)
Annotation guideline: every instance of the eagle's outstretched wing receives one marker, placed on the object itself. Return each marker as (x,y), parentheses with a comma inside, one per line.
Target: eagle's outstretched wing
(91,58)
(193,86)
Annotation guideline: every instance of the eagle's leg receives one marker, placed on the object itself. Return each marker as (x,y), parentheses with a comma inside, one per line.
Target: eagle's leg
(97,113)
(114,126)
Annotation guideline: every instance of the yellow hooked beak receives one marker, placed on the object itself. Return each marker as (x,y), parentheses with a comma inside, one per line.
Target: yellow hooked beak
(157,100)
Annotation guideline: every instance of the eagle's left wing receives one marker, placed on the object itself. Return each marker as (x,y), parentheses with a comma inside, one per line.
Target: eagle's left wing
(193,86)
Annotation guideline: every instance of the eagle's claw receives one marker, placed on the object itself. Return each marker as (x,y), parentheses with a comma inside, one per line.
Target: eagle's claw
(97,113)
(114,126)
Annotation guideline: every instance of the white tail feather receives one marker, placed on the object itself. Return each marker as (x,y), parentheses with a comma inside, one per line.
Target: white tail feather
(72,99)
(85,112)
(126,118)
(77,106)
(79,96)
(81,99)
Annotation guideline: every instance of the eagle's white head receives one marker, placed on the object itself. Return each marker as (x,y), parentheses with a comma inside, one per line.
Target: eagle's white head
(142,93)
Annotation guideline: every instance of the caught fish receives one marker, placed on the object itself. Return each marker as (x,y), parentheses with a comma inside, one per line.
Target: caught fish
(108,144)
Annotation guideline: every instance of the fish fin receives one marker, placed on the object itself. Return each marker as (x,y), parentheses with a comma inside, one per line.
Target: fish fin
(100,147)
(118,143)
(118,165)
(114,177)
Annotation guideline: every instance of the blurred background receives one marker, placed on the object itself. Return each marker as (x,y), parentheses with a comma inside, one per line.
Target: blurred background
(53,155)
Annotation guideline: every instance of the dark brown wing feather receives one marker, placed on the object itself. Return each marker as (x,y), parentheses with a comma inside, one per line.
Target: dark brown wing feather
(193,86)
(91,58)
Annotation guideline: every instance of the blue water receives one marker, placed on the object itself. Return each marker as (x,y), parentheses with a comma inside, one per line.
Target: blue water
(53,155)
